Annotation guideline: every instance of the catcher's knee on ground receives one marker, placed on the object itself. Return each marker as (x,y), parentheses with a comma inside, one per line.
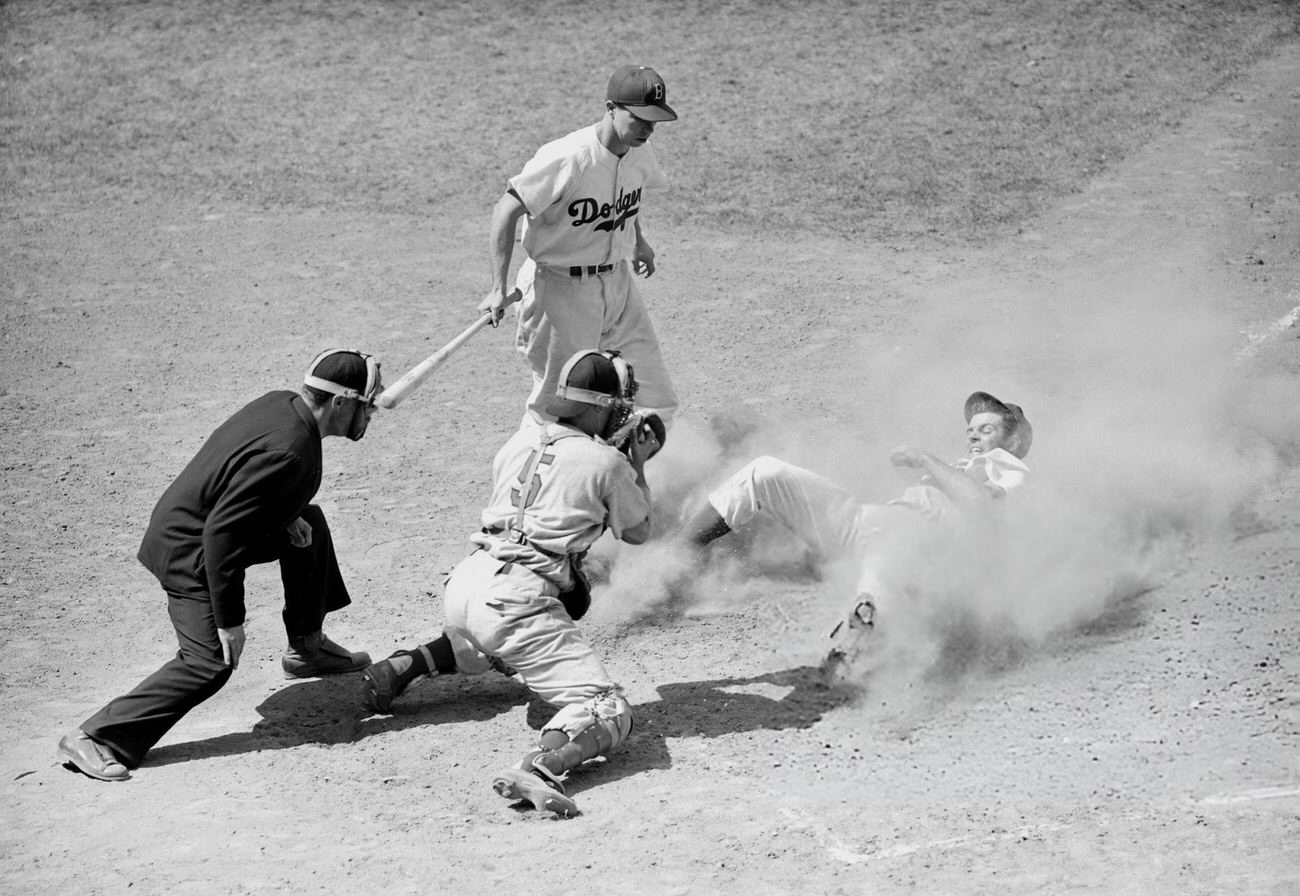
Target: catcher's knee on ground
(583,731)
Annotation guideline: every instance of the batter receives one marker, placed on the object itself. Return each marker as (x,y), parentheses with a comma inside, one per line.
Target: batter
(581,199)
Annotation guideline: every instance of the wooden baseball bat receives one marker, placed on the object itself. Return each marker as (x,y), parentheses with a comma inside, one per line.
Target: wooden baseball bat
(394,394)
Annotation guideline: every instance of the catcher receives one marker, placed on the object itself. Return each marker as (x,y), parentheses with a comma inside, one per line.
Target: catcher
(511,605)
(834,524)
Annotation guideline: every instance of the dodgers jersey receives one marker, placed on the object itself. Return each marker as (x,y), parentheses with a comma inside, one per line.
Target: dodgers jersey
(999,467)
(582,200)
(579,488)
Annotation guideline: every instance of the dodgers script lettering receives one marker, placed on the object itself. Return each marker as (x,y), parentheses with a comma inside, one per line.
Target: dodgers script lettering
(587,211)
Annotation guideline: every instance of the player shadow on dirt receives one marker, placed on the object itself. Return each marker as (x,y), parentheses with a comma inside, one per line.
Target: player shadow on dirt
(795,698)
(330,711)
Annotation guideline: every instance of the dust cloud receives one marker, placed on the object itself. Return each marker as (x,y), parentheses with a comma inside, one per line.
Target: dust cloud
(1152,432)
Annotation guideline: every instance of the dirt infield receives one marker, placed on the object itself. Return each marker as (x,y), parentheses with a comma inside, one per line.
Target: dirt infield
(1135,731)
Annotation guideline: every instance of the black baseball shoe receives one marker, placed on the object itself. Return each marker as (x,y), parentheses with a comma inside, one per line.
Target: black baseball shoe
(314,655)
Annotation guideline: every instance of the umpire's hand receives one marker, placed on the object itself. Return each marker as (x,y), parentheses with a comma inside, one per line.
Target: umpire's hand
(299,533)
(232,644)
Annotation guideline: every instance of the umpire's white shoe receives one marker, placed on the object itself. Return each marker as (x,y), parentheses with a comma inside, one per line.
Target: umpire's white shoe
(517,784)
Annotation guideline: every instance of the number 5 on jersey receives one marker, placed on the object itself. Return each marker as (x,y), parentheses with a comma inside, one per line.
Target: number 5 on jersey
(529,475)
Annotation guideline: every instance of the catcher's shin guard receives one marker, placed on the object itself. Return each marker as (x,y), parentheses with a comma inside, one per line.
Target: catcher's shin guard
(594,728)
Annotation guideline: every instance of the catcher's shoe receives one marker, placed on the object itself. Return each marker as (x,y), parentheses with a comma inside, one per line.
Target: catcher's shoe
(517,784)
(381,684)
(314,655)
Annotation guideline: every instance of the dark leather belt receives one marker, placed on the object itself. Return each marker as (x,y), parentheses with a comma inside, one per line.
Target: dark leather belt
(590,270)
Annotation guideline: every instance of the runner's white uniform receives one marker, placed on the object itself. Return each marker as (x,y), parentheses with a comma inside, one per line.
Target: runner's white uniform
(502,600)
(833,522)
(582,204)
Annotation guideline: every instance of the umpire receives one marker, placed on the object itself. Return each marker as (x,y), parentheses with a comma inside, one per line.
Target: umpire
(244,499)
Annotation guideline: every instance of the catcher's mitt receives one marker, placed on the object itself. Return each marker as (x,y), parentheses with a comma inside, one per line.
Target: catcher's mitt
(640,423)
(576,600)
(653,424)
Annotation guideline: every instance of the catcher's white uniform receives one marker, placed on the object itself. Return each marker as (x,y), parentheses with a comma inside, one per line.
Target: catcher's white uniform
(502,601)
(583,203)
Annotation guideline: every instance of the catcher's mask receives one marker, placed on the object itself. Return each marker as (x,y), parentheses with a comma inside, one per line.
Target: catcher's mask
(600,378)
(345,372)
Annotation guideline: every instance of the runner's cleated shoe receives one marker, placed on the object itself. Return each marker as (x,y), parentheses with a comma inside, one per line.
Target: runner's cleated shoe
(850,638)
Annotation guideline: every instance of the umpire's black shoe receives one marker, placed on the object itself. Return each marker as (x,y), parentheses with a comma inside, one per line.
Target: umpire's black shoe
(314,655)
(79,750)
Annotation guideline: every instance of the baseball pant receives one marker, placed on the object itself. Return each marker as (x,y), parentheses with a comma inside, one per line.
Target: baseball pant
(561,314)
(829,519)
(503,610)
(132,724)
(826,517)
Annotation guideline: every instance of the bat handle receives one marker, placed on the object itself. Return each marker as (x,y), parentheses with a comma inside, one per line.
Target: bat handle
(495,316)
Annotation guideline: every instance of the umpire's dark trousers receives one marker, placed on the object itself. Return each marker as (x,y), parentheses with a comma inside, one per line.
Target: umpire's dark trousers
(134,722)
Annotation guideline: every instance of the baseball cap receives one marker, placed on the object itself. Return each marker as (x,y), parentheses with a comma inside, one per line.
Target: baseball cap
(345,372)
(983,402)
(642,91)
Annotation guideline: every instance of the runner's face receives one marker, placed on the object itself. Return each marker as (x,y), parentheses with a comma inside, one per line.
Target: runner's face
(985,432)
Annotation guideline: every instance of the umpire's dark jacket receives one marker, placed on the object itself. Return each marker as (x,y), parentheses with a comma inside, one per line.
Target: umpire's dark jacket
(232,504)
